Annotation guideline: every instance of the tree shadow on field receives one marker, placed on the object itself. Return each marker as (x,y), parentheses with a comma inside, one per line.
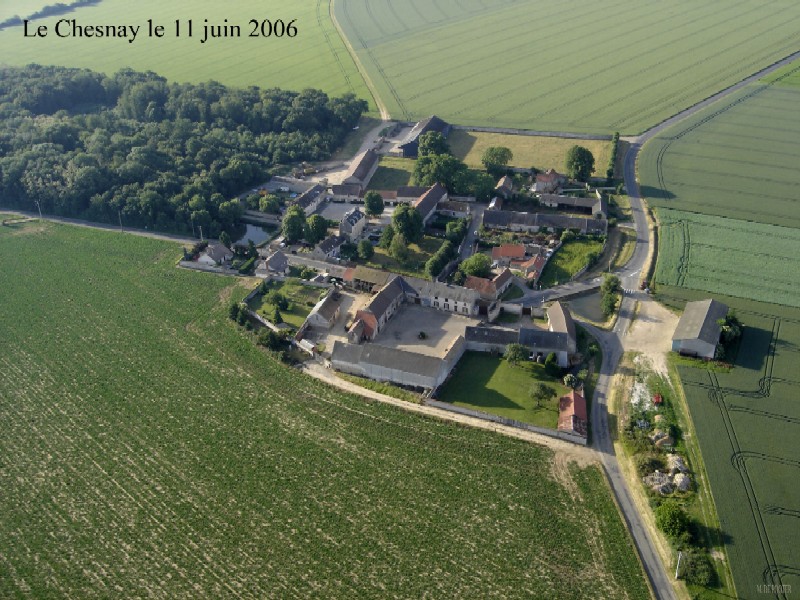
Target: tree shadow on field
(656,193)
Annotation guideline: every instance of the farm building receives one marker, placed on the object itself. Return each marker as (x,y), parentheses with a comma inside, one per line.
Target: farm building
(409,147)
(397,366)
(215,255)
(572,415)
(346,191)
(559,320)
(490,289)
(324,313)
(365,279)
(595,206)
(490,339)
(352,225)
(697,333)
(427,203)
(531,268)
(362,169)
(506,220)
(549,182)
(455,210)
(369,321)
(409,193)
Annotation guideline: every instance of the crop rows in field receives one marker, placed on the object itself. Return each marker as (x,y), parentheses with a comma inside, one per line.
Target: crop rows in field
(581,66)
(748,421)
(738,160)
(150,448)
(316,57)
(728,256)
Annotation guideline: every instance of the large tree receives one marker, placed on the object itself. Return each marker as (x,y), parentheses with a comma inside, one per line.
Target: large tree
(478,265)
(496,159)
(407,221)
(373,204)
(515,353)
(579,163)
(365,249)
(541,392)
(399,248)
(438,168)
(316,229)
(432,142)
(293,225)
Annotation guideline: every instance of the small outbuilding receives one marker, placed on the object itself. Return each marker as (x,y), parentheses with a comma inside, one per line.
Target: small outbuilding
(697,333)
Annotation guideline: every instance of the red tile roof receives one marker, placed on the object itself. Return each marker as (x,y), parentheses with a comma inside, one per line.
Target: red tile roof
(485,287)
(572,413)
(508,251)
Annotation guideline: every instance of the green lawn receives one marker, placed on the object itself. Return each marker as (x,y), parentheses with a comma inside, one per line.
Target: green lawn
(302,299)
(316,57)
(479,63)
(567,261)
(542,152)
(491,384)
(151,449)
(392,172)
(415,266)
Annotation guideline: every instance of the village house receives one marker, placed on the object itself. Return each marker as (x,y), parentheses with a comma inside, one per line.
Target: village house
(409,193)
(409,147)
(595,206)
(559,321)
(698,330)
(310,200)
(427,203)
(531,268)
(505,187)
(505,253)
(275,264)
(454,210)
(364,279)
(352,225)
(329,247)
(215,255)
(572,415)
(549,182)
(496,204)
(490,289)
(370,320)
(362,169)
(522,222)
(346,191)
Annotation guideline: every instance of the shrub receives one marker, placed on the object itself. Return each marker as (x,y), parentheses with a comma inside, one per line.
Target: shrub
(648,463)
(672,520)
(697,568)
(247,266)
(233,311)
(551,365)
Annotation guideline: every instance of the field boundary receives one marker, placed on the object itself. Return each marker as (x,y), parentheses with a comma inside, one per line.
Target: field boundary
(536,133)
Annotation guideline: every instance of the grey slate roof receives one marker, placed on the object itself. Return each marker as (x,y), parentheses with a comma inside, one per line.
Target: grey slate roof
(218,253)
(432,123)
(699,321)
(436,289)
(491,335)
(326,307)
(330,243)
(597,205)
(346,189)
(307,197)
(428,201)
(505,218)
(362,165)
(561,320)
(388,358)
(353,217)
(541,339)
(384,299)
(410,191)
(278,262)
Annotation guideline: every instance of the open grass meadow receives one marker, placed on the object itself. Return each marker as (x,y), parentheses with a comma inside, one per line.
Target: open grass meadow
(302,299)
(728,256)
(737,159)
(316,57)
(748,423)
(581,66)
(150,448)
(568,260)
(541,152)
(493,385)
(392,173)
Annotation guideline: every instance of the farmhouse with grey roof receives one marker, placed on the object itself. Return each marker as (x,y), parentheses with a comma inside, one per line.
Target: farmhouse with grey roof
(310,199)
(697,333)
(427,203)
(352,225)
(534,222)
(409,147)
(595,206)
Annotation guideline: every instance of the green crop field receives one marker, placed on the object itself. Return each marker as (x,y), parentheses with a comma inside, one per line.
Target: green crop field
(581,66)
(150,448)
(542,152)
(491,384)
(316,57)
(725,187)
(748,423)
(728,256)
(737,159)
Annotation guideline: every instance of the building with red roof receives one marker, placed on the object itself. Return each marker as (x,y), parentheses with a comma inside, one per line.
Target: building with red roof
(572,417)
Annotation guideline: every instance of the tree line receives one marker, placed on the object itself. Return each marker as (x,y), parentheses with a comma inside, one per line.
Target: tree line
(135,147)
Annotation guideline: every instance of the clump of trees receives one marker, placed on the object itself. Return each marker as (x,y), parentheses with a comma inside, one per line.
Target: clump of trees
(437,262)
(436,164)
(610,292)
(478,265)
(496,158)
(612,160)
(579,163)
(407,222)
(373,204)
(155,154)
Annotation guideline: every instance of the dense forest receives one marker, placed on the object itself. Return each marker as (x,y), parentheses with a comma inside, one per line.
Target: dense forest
(158,154)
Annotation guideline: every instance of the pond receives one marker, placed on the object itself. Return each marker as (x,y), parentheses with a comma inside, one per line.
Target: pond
(257,233)
(588,307)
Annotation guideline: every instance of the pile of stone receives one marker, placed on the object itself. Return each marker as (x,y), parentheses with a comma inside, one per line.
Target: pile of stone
(676,477)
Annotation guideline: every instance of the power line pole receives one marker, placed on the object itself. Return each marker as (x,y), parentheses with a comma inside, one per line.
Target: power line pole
(119,214)
(201,232)
(39,206)
(678,566)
